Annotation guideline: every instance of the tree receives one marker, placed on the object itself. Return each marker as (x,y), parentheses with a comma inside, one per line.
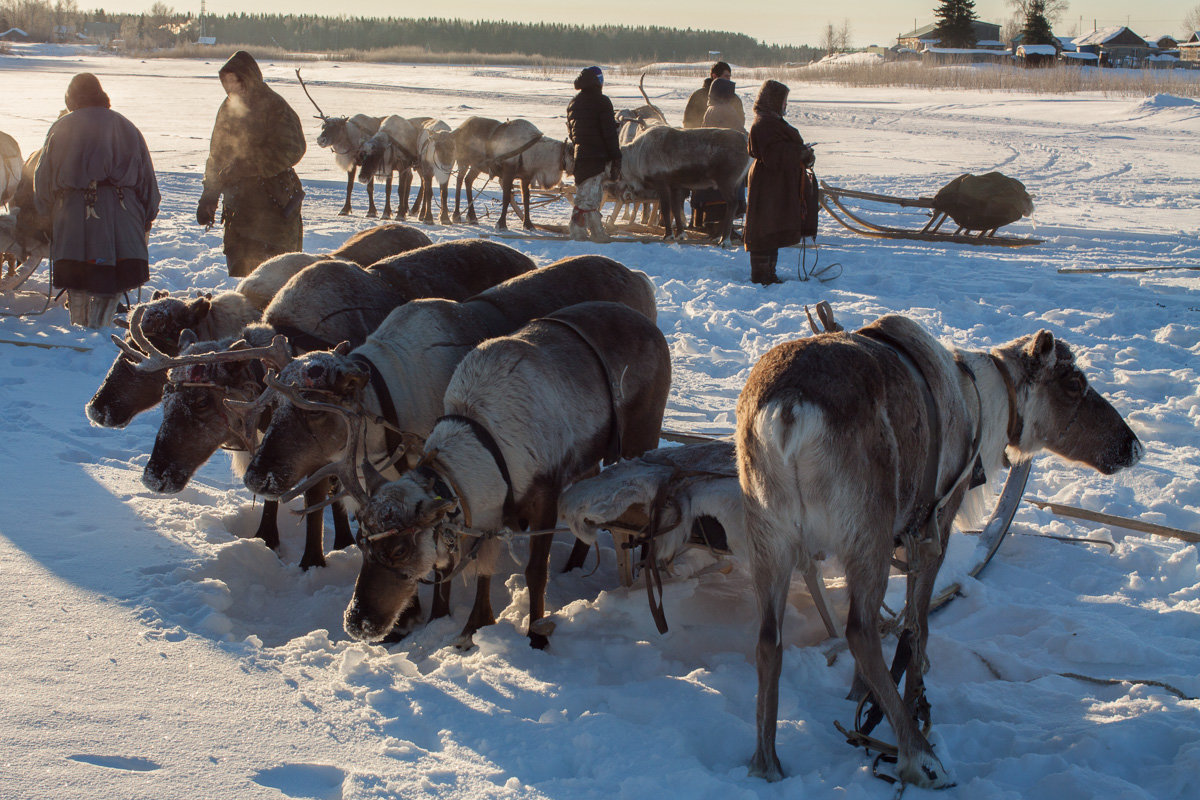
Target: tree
(836,40)
(1191,21)
(1037,27)
(1053,9)
(954,23)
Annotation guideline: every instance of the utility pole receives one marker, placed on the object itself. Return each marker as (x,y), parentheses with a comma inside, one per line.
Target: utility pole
(202,17)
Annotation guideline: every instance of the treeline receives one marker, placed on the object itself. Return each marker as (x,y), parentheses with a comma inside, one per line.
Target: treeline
(163,27)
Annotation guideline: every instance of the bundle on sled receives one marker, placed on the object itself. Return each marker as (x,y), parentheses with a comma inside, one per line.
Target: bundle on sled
(978,205)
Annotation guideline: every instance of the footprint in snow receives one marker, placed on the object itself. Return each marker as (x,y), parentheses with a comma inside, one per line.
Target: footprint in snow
(132,764)
(318,781)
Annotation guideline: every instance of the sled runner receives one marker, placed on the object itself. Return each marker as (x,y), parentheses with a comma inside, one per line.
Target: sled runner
(833,201)
(11,277)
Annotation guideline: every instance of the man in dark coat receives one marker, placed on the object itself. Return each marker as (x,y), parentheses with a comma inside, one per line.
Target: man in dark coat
(775,206)
(697,104)
(96,181)
(256,141)
(725,110)
(592,127)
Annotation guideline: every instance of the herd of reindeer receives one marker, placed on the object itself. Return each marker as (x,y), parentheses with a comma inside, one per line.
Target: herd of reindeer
(457,394)
(660,163)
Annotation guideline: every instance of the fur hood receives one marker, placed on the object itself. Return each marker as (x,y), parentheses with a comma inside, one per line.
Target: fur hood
(771,97)
(245,67)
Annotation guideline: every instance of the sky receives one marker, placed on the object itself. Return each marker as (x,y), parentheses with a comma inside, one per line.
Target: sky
(871,21)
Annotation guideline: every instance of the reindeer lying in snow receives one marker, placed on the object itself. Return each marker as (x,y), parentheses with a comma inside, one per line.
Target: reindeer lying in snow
(345,135)
(669,160)
(854,443)
(328,302)
(399,375)
(525,415)
(126,392)
(392,149)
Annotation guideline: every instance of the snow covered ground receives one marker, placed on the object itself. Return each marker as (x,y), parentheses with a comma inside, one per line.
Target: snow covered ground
(150,649)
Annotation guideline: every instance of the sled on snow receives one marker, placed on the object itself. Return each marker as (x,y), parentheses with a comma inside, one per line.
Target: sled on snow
(976,216)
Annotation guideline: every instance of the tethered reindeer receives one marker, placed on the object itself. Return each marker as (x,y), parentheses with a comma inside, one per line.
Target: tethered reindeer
(521,151)
(345,136)
(392,149)
(854,444)
(471,158)
(435,163)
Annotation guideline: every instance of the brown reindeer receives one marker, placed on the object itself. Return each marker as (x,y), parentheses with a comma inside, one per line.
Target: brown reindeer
(391,150)
(854,444)
(345,135)
(471,158)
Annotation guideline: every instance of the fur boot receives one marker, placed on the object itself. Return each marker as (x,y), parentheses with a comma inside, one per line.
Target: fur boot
(595,226)
(78,304)
(578,226)
(762,268)
(101,310)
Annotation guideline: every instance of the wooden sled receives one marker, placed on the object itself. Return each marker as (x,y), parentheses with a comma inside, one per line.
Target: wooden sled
(13,274)
(832,198)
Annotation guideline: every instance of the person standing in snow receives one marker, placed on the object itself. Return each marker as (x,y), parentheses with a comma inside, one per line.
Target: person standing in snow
(256,141)
(96,182)
(724,110)
(592,126)
(775,206)
(697,104)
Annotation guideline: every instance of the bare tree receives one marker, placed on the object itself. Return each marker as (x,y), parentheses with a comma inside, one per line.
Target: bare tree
(843,36)
(1054,10)
(835,40)
(1191,21)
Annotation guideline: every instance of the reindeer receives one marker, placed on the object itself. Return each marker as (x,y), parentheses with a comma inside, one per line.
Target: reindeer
(345,136)
(670,160)
(856,443)
(10,168)
(331,300)
(524,415)
(399,375)
(471,158)
(393,148)
(540,165)
(435,162)
(24,231)
(126,392)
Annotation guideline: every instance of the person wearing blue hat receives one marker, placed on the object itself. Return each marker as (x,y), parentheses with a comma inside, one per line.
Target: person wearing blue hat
(592,128)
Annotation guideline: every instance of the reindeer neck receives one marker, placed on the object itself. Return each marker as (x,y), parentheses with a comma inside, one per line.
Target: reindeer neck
(471,462)
(999,407)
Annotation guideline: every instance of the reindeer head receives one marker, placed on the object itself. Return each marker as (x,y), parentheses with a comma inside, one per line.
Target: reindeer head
(196,420)
(333,129)
(1060,412)
(299,440)
(126,391)
(402,537)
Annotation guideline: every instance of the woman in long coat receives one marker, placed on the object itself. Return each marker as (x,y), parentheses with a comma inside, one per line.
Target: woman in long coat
(96,181)
(775,206)
(256,141)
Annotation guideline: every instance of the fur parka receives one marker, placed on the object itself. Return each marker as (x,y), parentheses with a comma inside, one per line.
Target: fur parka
(775,205)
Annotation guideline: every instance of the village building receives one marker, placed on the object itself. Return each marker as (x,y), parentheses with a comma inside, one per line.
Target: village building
(1189,49)
(987,37)
(1116,46)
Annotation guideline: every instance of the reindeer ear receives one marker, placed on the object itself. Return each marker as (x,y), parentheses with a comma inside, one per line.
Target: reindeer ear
(160,293)
(197,310)
(1041,351)
(343,348)
(187,338)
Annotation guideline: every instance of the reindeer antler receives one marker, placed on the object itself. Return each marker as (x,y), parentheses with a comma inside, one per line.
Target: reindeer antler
(148,358)
(310,97)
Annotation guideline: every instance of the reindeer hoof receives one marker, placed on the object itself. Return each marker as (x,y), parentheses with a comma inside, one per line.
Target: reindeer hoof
(345,212)
(386,215)
(926,771)
(315,561)
(766,767)
(457,219)
(372,213)
(500,226)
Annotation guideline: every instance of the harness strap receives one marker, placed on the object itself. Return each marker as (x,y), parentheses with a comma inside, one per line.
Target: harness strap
(391,438)
(1016,425)
(614,436)
(303,340)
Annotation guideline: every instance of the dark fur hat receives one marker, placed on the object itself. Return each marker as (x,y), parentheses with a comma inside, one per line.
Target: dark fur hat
(84,91)
(720,68)
(771,97)
(590,78)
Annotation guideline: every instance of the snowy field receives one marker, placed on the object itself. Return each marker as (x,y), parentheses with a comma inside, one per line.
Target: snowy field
(150,649)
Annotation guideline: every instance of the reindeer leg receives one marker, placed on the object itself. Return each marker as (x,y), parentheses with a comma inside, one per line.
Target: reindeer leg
(916,762)
(458,183)
(445,217)
(527,223)
(342,537)
(471,176)
(441,595)
(349,190)
(481,612)
(578,557)
(506,186)
(314,527)
(371,212)
(772,577)
(387,197)
(405,181)
(268,524)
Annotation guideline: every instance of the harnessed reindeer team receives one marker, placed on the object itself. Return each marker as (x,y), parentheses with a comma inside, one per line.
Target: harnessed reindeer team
(457,394)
